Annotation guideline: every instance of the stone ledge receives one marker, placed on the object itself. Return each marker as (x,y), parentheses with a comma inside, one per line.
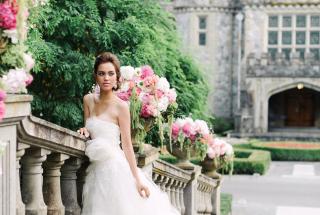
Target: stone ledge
(40,133)
(164,168)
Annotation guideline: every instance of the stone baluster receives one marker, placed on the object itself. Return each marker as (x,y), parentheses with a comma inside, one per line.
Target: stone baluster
(172,189)
(177,195)
(32,181)
(208,200)
(20,207)
(181,198)
(201,206)
(51,183)
(168,190)
(69,186)
(81,175)
(163,183)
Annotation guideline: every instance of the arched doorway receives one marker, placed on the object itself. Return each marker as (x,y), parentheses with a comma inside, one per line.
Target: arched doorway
(296,107)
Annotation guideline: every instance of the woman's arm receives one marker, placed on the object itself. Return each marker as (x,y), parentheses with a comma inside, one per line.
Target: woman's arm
(125,129)
(86,114)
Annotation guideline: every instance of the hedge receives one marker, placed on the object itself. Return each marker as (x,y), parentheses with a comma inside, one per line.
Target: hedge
(290,151)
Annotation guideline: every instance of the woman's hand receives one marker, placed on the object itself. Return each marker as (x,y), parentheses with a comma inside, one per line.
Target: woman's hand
(84,131)
(143,190)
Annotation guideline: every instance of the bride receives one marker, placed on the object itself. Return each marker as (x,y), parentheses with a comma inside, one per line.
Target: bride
(114,185)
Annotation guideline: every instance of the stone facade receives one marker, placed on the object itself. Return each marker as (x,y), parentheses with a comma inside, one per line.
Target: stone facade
(241,73)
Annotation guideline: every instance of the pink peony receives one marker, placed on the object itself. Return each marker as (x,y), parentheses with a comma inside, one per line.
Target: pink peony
(159,94)
(29,80)
(3,95)
(172,95)
(125,96)
(186,128)
(147,110)
(7,16)
(146,71)
(2,110)
(175,129)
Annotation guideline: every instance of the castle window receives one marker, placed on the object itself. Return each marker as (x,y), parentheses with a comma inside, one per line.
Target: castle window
(202,30)
(298,33)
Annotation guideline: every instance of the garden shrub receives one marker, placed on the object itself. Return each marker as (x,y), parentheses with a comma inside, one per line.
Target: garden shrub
(290,151)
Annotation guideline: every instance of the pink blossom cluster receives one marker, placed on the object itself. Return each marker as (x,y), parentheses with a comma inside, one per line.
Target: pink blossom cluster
(188,128)
(8,15)
(16,80)
(2,105)
(218,148)
(152,91)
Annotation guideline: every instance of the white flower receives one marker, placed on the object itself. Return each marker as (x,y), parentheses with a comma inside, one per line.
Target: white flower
(202,127)
(29,61)
(229,149)
(125,86)
(12,34)
(15,81)
(163,103)
(127,72)
(163,85)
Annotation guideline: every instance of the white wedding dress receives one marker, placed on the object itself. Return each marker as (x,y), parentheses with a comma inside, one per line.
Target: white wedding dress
(110,187)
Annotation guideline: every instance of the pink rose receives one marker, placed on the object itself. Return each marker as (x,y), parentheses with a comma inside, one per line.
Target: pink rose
(2,110)
(146,71)
(3,95)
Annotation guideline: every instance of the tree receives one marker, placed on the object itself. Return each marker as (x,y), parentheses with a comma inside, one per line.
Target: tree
(66,35)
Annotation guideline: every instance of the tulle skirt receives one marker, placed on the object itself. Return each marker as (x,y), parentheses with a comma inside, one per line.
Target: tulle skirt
(110,187)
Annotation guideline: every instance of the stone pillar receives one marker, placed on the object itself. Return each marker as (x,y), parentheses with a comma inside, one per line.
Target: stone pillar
(32,181)
(81,175)
(181,199)
(51,183)
(190,193)
(216,199)
(20,207)
(69,186)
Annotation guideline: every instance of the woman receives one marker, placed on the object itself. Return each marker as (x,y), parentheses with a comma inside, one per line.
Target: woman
(114,185)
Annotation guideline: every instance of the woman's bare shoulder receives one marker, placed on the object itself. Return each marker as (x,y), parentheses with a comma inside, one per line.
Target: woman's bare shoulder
(122,105)
(87,98)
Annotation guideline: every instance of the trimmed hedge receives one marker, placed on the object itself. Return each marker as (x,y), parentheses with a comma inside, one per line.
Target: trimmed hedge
(290,153)
(226,203)
(248,161)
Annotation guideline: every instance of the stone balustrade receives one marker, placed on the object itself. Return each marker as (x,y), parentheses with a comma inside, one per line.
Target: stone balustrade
(282,66)
(44,169)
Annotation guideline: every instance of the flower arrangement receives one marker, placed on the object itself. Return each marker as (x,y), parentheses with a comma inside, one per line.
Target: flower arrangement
(151,100)
(190,135)
(16,63)
(219,155)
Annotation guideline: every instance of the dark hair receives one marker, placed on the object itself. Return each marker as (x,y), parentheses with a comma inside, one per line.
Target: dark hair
(108,57)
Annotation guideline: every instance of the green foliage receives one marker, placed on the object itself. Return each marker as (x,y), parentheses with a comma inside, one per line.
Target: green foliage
(226,203)
(66,35)
(248,161)
(221,125)
(168,158)
(290,154)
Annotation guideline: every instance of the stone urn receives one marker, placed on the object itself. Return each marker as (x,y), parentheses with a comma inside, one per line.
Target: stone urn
(210,167)
(183,155)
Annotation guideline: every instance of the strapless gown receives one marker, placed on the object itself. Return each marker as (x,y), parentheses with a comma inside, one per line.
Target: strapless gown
(110,187)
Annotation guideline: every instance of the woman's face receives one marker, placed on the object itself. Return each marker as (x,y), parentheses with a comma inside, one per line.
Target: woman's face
(106,76)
